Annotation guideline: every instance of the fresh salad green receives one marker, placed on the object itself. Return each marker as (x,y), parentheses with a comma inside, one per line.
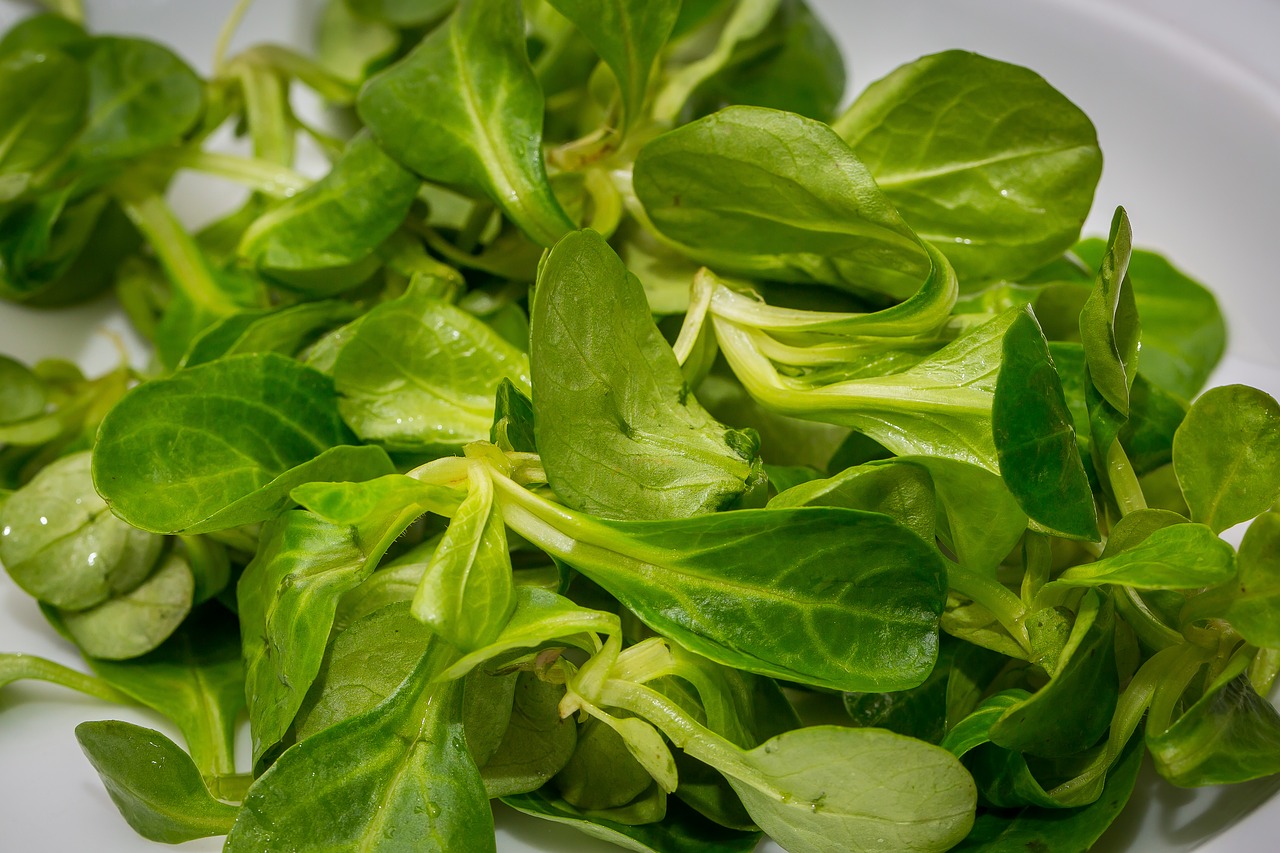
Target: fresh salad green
(616,390)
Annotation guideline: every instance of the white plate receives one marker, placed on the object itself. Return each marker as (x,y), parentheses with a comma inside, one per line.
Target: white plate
(1186,98)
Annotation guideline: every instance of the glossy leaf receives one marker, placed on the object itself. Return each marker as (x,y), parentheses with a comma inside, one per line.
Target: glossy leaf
(1183,332)
(478,57)
(1227,455)
(139,620)
(753,588)
(153,783)
(59,542)
(363,665)
(418,374)
(467,594)
(37,129)
(1034,437)
(618,429)
(1109,328)
(1072,711)
(536,743)
(1255,592)
(251,427)
(718,189)
(1181,556)
(285,626)
(793,64)
(398,776)
(1230,735)
(1057,829)
(1015,160)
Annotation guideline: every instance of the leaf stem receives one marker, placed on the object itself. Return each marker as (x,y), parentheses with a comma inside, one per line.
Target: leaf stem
(228,31)
(995,597)
(177,251)
(259,175)
(16,666)
(1124,481)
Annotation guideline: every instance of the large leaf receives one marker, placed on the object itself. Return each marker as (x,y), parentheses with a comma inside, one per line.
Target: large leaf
(775,195)
(37,129)
(824,596)
(141,97)
(397,777)
(222,444)
(983,158)
(434,111)
(618,429)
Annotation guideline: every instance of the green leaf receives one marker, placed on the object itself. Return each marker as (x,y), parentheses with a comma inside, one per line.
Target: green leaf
(363,665)
(512,429)
(141,97)
(36,130)
(775,195)
(1109,328)
(282,330)
(135,622)
(250,428)
(1255,593)
(1034,437)
(418,374)
(1183,332)
(153,783)
(536,743)
(433,112)
(60,544)
(1055,829)
(825,789)
(467,594)
(984,159)
(351,47)
(1227,455)
(1072,711)
(397,777)
(823,596)
(793,64)
(1231,734)
(1181,556)
(629,36)
(618,429)
(196,679)
(312,239)
(399,13)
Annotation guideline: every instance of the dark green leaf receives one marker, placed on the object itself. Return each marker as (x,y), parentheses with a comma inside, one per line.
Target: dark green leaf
(682,831)
(249,428)
(1035,440)
(397,777)
(432,111)
(153,783)
(1109,328)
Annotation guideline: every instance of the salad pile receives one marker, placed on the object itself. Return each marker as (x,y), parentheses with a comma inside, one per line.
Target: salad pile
(615,394)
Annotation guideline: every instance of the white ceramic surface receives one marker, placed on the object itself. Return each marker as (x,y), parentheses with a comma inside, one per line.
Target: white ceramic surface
(1186,98)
